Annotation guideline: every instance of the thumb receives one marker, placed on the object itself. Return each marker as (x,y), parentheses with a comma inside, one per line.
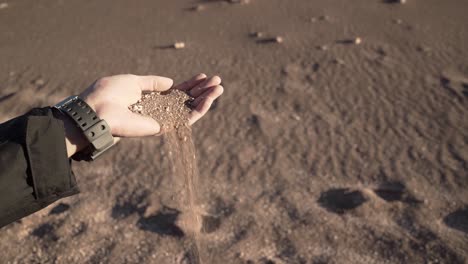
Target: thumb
(129,124)
(152,83)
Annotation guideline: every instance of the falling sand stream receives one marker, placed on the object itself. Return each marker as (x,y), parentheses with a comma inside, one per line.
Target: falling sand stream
(184,165)
(171,111)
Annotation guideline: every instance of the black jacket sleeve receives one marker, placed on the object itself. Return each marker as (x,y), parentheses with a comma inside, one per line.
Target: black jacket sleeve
(34,167)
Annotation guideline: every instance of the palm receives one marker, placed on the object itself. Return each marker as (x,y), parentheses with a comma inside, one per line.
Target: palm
(111,96)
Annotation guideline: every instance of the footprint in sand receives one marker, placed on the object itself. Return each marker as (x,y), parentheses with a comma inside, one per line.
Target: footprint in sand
(217,210)
(162,223)
(455,82)
(458,220)
(127,204)
(45,231)
(395,192)
(341,200)
(60,208)
(210,224)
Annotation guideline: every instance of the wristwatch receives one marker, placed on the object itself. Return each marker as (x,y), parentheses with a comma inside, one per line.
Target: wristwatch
(95,130)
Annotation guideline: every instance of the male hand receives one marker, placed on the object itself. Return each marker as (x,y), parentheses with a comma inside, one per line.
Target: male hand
(205,90)
(111,96)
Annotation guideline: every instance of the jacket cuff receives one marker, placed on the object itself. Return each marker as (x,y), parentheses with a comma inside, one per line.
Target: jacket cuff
(49,165)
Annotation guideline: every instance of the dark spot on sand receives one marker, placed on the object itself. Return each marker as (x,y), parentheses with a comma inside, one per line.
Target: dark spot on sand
(129,204)
(60,208)
(345,41)
(189,257)
(341,200)
(315,67)
(426,242)
(267,261)
(455,83)
(217,211)
(162,223)
(395,191)
(45,231)
(391,192)
(270,40)
(253,120)
(321,260)
(392,1)
(465,89)
(458,220)
(7,96)
(214,105)
(210,224)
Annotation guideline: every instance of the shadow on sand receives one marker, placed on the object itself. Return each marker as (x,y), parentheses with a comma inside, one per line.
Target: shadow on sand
(458,220)
(162,223)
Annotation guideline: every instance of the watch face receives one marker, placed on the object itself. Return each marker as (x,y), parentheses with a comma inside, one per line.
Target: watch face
(66,101)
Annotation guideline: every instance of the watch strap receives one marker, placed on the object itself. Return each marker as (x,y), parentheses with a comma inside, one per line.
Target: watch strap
(95,130)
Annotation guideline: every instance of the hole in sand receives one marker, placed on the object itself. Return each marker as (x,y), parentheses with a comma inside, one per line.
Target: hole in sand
(458,220)
(210,224)
(341,200)
(60,208)
(162,223)
(395,191)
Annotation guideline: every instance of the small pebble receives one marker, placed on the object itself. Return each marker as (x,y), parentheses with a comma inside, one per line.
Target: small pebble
(39,82)
(324,18)
(398,21)
(423,49)
(401,1)
(339,61)
(179,45)
(257,34)
(296,117)
(278,39)
(322,47)
(198,8)
(3,5)
(242,2)
(357,41)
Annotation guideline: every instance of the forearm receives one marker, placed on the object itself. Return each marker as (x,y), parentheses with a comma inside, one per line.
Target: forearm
(35,168)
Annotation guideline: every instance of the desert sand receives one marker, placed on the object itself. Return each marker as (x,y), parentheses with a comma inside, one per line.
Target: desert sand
(341,137)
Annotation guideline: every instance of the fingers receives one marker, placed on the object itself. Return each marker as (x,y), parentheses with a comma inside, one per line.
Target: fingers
(203,86)
(134,125)
(194,81)
(153,83)
(203,103)
(213,92)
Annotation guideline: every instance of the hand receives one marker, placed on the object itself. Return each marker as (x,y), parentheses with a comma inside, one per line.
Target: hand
(110,97)
(204,90)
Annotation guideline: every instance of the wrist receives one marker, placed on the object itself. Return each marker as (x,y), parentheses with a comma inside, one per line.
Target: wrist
(74,138)
(84,129)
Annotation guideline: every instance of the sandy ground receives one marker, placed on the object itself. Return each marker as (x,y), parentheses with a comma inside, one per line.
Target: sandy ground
(320,150)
